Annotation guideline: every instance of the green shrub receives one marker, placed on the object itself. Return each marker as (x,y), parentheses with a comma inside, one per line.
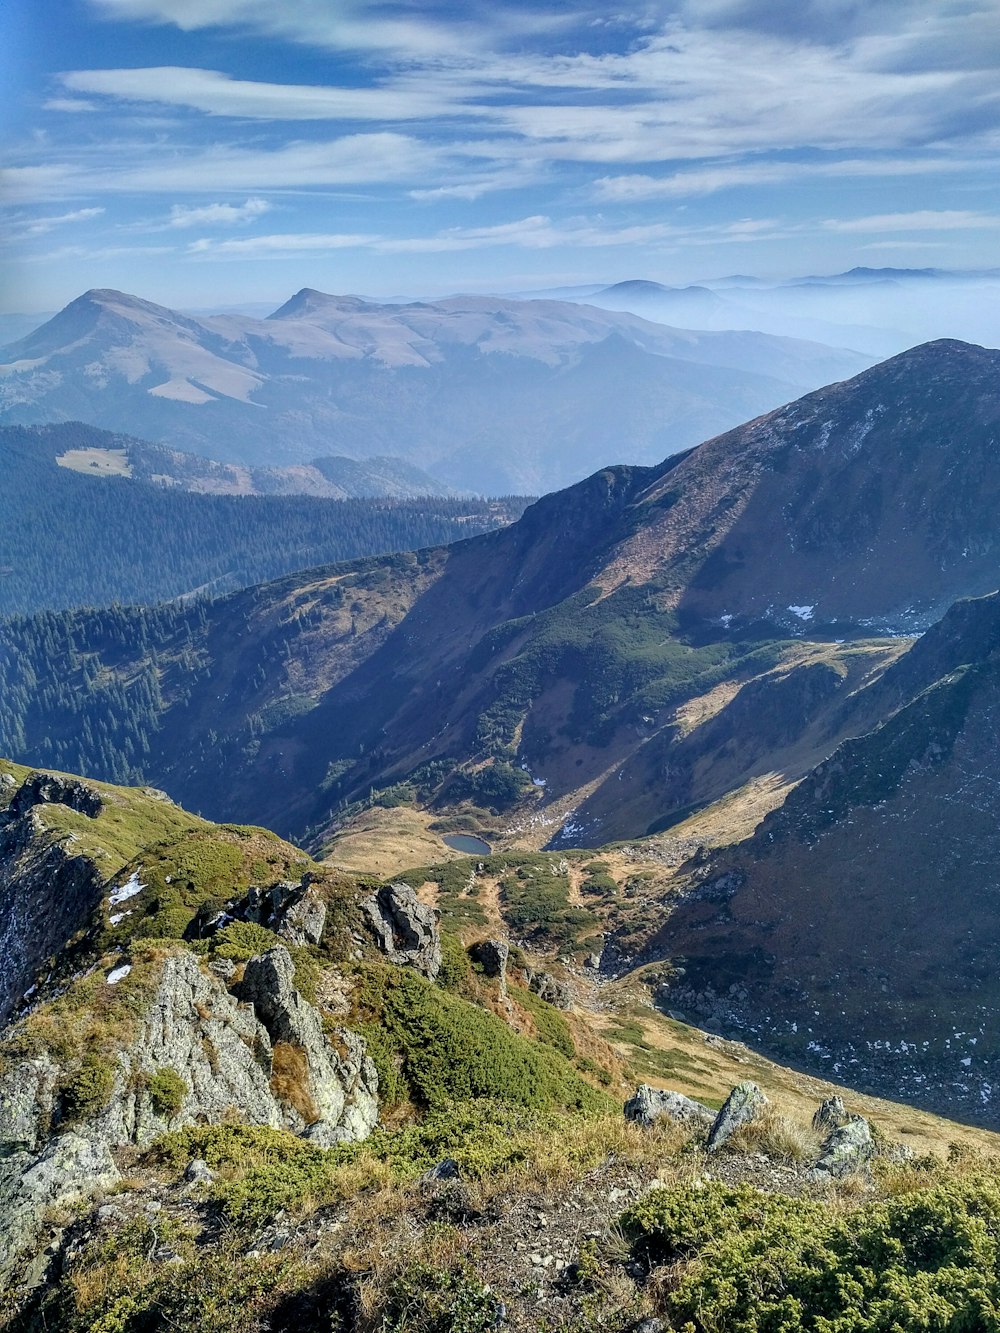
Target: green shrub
(752,1262)
(167,1091)
(456,969)
(549,1023)
(89,1089)
(447,1049)
(426,1299)
(243,940)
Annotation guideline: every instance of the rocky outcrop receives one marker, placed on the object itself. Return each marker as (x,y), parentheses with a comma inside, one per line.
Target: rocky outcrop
(830,1115)
(49,890)
(647,1105)
(294,911)
(406,929)
(492,956)
(260,1056)
(549,988)
(71,1166)
(847,1150)
(54,789)
(744,1104)
(331,1095)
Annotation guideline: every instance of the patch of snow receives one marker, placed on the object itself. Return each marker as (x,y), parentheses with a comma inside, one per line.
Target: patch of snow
(803,612)
(129,889)
(119,974)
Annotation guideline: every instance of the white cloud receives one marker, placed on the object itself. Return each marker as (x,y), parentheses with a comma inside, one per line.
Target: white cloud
(921,220)
(217,94)
(39,226)
(70,104)
(131,168)
(220,215)
(263,247)
(536,232)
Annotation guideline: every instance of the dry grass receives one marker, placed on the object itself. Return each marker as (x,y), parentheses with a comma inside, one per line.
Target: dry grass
(778,1137)
(290,1079)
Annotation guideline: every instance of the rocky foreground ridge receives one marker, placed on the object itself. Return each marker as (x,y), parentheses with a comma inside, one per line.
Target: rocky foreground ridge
(248,1092)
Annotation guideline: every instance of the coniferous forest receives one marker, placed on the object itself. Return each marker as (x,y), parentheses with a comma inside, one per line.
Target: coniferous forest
(70,540)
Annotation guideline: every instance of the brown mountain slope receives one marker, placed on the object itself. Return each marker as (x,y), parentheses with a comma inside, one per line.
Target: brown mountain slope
(568,642)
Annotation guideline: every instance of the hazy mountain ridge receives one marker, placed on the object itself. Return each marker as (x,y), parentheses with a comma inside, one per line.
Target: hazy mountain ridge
(475,389)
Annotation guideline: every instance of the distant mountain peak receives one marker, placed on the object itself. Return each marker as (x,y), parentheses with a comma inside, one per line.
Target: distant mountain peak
(309,300)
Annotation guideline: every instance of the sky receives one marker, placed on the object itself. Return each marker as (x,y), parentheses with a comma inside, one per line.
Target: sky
(205,153)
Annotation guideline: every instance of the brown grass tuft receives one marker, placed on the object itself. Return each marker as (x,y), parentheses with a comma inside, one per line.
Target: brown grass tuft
(290,1079)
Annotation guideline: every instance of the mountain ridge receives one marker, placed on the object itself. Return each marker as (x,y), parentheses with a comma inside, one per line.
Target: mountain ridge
(468,387)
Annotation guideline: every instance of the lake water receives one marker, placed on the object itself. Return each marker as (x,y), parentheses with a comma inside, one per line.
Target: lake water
(467,844)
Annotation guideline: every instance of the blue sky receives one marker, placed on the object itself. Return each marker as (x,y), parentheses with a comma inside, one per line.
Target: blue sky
(204,152)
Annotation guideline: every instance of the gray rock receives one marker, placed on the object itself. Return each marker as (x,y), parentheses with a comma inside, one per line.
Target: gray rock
(492,956)
(848,1149)
(294,911)
(302,918)
(336,1092)
(53,789)
(199,1172)
(743,1105)
(229,1056)
(49,890)
(196,1028)
(647,1105)
(549,988)
(72,1165)
(447,1169)
(27,1100)
(406,929)
(830,1114)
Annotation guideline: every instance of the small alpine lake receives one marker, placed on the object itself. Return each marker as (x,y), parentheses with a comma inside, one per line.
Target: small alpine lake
(467,844)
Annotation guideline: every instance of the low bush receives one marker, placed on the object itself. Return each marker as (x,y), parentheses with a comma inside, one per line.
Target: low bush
(167,1090)
(88,1090)
(446,1049)
(750,1262)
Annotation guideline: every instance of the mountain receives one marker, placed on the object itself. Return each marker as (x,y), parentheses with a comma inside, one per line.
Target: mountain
(96,452)
(88,518)
(567,646)
(491,395)
(855,931)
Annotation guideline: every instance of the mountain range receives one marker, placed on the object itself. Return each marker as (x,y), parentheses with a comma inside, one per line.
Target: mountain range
(490,395)
(757,652)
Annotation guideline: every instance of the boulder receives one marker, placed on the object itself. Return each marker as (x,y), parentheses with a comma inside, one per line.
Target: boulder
(549,988)
(848,1149)
(492,957)
(830,1114)
(647,1105)
(743,1105)
(406,929)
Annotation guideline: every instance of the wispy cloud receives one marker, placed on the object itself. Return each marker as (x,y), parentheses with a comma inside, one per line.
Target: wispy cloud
(217,215)
(536,232)
(217,94)
(922,220)
(39,226)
